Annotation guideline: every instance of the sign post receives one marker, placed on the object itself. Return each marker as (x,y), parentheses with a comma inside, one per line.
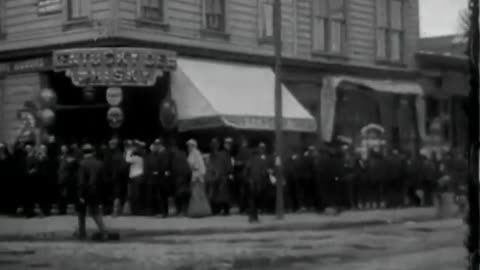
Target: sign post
(277,20)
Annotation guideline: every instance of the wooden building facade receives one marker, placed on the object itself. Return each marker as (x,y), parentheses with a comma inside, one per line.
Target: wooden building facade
(361,45)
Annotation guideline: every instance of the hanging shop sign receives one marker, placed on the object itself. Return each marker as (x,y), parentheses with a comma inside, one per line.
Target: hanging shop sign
(49,7)
(29,65)
(114,96)
(168,114)
(115,117)
(114,66)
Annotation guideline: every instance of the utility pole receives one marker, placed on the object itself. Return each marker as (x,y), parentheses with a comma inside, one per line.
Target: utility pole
(277,28)
(473,115)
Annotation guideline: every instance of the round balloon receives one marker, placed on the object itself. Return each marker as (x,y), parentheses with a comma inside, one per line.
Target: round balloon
(114,96)
(48,97)
(47,117)
(115,117)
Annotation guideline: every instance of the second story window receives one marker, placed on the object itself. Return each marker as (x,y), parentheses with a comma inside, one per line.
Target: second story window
(78,9)
(152,10)
(215,15)
(265,10)
(389,37)
(328,26)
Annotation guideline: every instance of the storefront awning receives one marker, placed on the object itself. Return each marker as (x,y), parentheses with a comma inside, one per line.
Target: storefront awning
(389,86)
(213,94)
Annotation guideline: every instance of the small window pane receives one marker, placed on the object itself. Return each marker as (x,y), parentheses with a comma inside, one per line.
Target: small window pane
(215,14)
(381,44)
(336,8)
(267,18)
(395,46)
(396,14)
(77,9)
(382,13)
(319,34)
(336,36)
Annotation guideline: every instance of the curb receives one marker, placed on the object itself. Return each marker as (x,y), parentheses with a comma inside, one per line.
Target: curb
(127,234)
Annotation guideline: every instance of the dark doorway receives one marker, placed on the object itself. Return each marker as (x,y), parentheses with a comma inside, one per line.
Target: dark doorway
(80,119)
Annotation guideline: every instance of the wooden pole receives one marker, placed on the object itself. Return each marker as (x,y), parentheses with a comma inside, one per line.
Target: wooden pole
(277,26)
(473,115)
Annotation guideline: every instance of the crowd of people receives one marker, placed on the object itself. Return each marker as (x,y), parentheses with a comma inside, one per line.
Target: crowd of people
(133,178)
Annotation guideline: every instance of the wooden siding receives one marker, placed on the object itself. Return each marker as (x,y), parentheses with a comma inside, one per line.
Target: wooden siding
(15,90)
(185,23)
(24,28)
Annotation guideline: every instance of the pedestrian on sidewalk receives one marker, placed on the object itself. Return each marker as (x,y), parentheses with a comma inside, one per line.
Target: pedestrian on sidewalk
(257,174)
(199,205)
(90,180)
(135,157)
(181,175)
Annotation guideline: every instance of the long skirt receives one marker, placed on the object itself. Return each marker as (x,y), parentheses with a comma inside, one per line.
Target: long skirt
(199,205)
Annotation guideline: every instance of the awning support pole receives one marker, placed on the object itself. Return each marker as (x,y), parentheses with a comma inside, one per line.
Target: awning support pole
(277,21)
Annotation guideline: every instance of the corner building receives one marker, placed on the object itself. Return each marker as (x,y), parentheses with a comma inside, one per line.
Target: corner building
(346,63)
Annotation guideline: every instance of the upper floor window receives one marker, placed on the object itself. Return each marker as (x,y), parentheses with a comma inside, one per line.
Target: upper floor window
(389,30)
(152,10)
(215,18)
(329,25)
(78,9)
(265,10)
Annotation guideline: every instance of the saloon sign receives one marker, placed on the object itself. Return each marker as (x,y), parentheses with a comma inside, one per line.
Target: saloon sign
(114,66)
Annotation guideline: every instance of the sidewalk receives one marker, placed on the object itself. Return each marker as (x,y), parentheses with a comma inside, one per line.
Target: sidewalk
(61,227)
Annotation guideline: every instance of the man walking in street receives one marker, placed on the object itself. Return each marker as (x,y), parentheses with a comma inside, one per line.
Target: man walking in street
(90,178)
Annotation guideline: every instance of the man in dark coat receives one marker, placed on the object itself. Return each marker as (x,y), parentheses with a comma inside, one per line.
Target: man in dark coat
(7,193)
(114,163)
(257,171)
(219,171)
(377,172)
(90,177)
(181,175)
(293,167)
(393,187)
(241,159)
(157,174)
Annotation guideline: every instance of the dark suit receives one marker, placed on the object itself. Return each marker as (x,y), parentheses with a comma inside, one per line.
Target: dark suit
(157,168)
(91,175)
(256,173)
(181,176)
(220,168)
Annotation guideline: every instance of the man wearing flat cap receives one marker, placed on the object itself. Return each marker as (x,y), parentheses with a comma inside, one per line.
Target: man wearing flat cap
(218,177)
(91,175)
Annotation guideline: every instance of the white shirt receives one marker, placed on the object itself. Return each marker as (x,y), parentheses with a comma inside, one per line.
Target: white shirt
(136,165)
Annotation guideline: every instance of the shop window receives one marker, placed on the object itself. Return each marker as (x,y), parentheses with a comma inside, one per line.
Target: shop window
(329,26)
(214,13)
(153,10)
(78,9)
(389,30)
(266,20)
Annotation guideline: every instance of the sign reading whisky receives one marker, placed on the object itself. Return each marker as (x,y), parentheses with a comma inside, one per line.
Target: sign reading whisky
(114,66)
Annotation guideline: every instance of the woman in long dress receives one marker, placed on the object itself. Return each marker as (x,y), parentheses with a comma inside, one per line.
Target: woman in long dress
(199,205)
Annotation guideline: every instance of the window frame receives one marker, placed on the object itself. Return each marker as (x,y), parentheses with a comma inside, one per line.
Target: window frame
(388,30)
(226,15)
(261,22)
(327,19)
(142,20)
(82,21)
